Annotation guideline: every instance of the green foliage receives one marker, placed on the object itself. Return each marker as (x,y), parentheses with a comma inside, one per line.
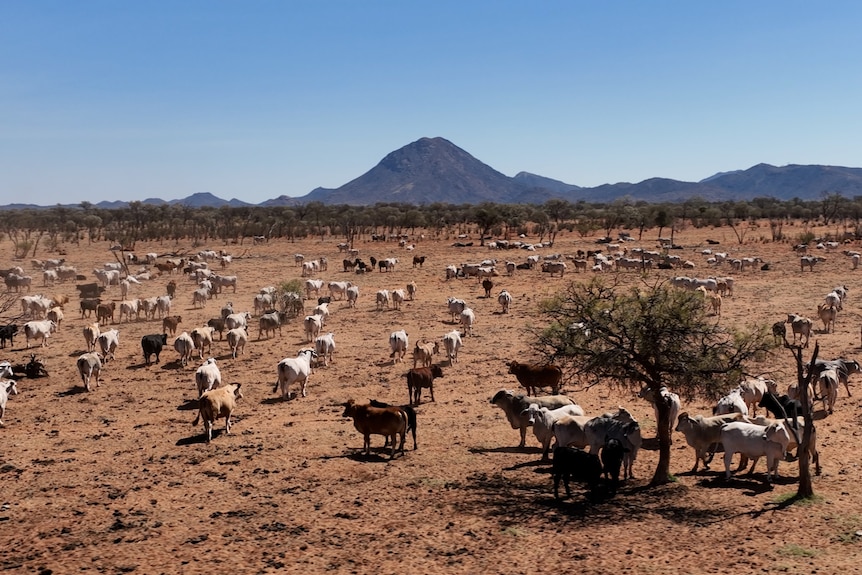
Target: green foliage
(805,237)
(651,335)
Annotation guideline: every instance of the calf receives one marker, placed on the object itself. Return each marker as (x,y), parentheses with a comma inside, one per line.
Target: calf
(89,366)
(424,352)
(218,403)
(420,377)
(534,376)
(612,459)
(170,323)
(152,345)
(8,331)
(577,465)
(324,346)
(386,421)
(105,312)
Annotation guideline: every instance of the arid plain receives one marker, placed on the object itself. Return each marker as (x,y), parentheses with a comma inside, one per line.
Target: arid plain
(118,481)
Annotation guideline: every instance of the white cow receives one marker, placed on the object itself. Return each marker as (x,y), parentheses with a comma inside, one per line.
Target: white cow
(312,286)
(383,299)
(163,305)
(352,295)
(185,346)
(731,403)
(338,289)
(452,343)
(324,346)
(468,318)
(542,419)
(398,297)
(91,334)
(753,441)
(89,366)
(312,325)
(109,341)
(505,300)
(6,387)
(456,306)
(667,397)
(398,343)
(235,320)
(294,370)
(39,329)
(207,376)
(703,434)
(236,339)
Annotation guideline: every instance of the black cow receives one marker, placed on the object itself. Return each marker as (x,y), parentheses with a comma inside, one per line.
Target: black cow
(89,306)
(612,459)
(6,332)
(781,407)
(324,299)
(217,323)
(577,465)
(153,344)
(411,418)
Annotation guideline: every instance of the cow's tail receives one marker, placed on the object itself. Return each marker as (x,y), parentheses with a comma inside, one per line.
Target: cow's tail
(411,421)
(197,420)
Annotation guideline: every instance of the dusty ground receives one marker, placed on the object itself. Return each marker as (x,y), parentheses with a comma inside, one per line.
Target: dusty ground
(117,480)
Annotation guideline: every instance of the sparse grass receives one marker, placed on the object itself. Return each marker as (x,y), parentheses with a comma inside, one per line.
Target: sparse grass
(793,550)
(514,531)
(847,527)
(790,498)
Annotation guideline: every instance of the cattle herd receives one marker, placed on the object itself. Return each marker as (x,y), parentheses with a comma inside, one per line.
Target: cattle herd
(211,330)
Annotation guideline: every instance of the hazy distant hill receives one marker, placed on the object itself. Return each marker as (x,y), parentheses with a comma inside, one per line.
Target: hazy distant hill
(425,171)
(436,170)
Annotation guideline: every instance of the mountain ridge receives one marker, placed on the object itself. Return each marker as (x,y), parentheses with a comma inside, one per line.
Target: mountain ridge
(432,170)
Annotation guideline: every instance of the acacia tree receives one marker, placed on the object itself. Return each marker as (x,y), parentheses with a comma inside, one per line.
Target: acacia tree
(651,335)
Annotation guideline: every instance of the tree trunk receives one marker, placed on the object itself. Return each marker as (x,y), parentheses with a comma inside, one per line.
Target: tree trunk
(662,470)
(806,487)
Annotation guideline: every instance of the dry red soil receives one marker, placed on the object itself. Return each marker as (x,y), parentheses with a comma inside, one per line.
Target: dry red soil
(117,480)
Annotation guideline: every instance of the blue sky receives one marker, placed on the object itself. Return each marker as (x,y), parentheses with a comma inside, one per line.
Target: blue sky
(108,100)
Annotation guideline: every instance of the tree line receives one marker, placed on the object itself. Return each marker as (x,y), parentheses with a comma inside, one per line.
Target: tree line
(49,227)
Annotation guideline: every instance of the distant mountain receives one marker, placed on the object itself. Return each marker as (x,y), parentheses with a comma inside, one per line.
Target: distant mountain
(425,171)
(435,170)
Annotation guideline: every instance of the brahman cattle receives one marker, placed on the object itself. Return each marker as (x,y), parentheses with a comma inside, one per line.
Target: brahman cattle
(452,343)
(41,329)
(207,376)
(6,387)
(703,434)
(7,331)
(236,339)
(109,341)
(514,407)
(398,343)
(185,346)
(753,441)
(294,370)
(218,403)
(89,366)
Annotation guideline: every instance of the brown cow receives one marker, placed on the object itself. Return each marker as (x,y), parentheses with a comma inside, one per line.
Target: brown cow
(170,323)
(105,312)
(216,403)
(386,421)
(420,377)
(534,375)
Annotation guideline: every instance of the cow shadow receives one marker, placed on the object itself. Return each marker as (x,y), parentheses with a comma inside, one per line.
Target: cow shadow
(188,405)
(484,450)
(137,366)
(77,353)
(377,455)
(749,485)
(173,365)
(198,438)
(75,390)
